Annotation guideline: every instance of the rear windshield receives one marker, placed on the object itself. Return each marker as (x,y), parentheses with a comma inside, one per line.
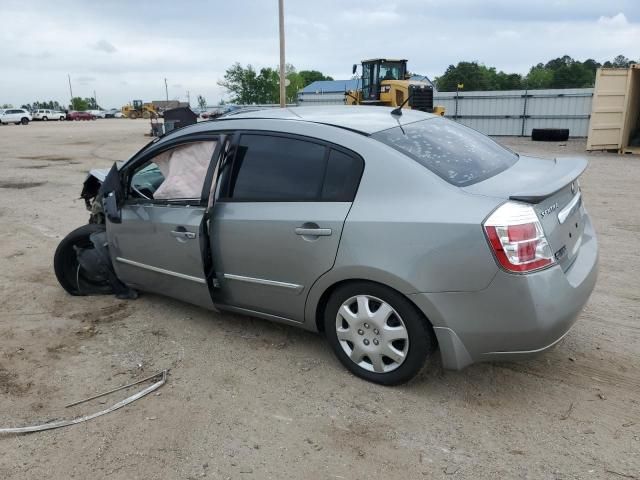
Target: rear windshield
(456,153)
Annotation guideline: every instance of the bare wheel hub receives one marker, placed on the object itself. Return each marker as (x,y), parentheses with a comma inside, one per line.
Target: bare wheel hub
(372,334)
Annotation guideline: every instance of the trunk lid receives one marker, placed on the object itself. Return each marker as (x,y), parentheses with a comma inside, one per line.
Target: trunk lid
(551,187)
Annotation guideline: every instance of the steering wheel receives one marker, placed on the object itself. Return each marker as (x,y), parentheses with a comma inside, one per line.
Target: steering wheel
(143,191)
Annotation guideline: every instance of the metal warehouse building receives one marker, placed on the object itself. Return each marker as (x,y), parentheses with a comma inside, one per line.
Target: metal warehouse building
(509,112)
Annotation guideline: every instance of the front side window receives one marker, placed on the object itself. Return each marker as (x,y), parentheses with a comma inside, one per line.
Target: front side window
(458,154)
(174,174)
(272,168)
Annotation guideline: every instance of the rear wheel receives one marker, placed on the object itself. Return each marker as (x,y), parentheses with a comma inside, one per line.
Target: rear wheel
(44,119)
(24,120)
(133,115)
(71,276)
(376,333)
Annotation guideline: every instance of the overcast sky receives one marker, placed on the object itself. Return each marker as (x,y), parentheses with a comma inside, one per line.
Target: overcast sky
(124,49)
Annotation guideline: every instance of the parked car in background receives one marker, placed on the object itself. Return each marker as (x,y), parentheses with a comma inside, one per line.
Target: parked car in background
(98,113)
(75,115)
(15,115)
(113,113)
(45,114)
(392,233)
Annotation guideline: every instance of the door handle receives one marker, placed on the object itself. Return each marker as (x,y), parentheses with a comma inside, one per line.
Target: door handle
(313,232)
(183,234)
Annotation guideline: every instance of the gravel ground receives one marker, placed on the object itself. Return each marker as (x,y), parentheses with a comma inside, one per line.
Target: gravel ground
(250,399)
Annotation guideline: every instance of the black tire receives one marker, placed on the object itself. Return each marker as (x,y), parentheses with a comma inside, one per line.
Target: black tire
(44,119)
(66,266)
(550,134)
(24,121)
(421,339)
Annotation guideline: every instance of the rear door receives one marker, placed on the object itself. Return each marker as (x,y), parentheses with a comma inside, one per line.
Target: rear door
(159,241)
(277,222)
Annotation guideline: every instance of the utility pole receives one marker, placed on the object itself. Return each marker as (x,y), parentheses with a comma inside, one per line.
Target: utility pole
(188,98)
(283,87)
(95,99)
(166,89)
(70,91)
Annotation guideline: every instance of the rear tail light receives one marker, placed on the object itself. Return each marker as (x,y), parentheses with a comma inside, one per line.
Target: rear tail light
(517,239)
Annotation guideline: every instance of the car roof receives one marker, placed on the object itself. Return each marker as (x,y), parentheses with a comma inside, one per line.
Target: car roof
(359,118)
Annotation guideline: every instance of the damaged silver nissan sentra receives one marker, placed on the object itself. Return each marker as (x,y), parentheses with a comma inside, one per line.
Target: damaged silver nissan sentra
(394,233)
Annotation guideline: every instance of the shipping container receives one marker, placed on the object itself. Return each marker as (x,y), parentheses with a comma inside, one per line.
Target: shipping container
(615,115)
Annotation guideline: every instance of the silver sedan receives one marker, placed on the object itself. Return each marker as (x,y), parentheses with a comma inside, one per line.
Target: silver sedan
(397,235)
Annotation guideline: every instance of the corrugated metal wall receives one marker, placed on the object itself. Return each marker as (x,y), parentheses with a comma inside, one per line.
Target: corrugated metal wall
(509,112)
(517,112)
(320,98)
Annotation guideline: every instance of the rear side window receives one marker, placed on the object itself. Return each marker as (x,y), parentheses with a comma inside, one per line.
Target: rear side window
(271,168)
(342,177)
(458,154)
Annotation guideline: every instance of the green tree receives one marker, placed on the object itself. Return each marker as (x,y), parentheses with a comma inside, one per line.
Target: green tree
(310,76)
(296,83)
(475,76)
(508,81)
(6,105)
(51,105)
(620,61)
(79,104)
(202,102)
(246,86)
(538,78)
(570,73)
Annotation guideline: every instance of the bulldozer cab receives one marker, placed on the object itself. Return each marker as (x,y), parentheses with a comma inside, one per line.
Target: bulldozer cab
(375,71)
(137,104)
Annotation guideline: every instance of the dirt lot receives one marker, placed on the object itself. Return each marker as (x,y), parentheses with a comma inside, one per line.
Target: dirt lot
(251,399)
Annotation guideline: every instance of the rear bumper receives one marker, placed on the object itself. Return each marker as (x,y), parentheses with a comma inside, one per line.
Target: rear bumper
(516,316)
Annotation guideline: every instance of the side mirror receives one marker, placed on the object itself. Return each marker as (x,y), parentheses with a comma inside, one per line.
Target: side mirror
(111,193)
(355,67)
(111,210)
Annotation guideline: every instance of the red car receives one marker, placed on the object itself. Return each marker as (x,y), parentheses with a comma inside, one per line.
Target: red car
(73,115)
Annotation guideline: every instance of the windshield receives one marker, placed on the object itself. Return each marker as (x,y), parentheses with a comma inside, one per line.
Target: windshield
(452,151)
(390,71)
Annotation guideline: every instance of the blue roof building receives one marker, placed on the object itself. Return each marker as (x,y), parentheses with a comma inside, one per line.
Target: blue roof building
(330,86)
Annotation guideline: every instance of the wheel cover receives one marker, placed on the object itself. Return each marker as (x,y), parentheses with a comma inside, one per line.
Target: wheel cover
(372,334)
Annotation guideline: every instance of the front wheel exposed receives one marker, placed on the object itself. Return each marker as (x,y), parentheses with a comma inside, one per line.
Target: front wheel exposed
(377,333)
(70,274)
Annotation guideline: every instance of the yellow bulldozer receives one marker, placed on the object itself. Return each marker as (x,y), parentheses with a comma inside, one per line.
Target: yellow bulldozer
(138,109)
(386,82)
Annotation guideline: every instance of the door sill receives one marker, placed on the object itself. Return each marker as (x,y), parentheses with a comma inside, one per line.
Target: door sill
(254,313)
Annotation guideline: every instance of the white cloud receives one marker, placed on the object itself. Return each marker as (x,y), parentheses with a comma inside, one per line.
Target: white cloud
(127,49)
(104,46)
(84,79)
(618,20)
